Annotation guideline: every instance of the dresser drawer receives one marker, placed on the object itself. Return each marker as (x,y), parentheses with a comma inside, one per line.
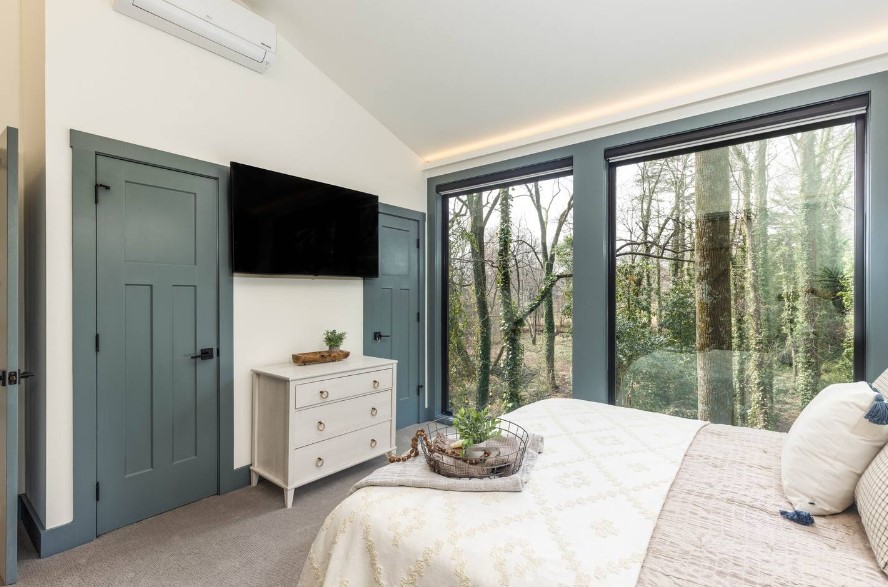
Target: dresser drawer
(329,420)
(320,459)
(330,390)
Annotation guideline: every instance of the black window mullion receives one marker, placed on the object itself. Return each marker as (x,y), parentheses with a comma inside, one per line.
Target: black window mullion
(860,213)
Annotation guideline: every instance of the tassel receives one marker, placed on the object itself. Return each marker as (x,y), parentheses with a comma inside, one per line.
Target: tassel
(878,412)
(798,516)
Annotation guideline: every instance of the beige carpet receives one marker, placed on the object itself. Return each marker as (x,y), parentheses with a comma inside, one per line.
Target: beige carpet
(246,537)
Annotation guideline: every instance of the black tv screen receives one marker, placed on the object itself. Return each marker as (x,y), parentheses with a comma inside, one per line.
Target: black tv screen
(285,225)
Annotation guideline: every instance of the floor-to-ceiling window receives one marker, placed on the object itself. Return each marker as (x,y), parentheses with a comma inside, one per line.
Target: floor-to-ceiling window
(736,263)
(508,269)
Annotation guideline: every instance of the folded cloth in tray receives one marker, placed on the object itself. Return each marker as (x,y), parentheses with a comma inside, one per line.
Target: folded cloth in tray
(417,473)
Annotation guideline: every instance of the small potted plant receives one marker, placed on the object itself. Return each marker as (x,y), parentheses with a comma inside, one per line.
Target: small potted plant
(333,339)
(474,427)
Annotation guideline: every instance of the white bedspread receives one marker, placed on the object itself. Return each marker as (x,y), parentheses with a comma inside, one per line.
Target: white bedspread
(585,517)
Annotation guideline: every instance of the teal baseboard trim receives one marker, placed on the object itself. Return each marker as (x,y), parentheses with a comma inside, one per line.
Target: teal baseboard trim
(235,479)
(46,542)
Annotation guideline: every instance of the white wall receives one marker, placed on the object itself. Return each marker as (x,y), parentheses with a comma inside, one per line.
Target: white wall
(678,108)
(9,63)
(109,75)
(33,148)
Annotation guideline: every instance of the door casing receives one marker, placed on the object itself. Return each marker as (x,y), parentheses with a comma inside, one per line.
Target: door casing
(85,148)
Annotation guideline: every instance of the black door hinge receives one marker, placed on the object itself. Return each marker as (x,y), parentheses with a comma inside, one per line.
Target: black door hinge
(97,342)
(417,243)
(417,316)
(97,491)
(101,186)
(419,389)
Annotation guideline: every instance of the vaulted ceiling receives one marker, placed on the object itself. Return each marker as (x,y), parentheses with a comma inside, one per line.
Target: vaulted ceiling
(451,77)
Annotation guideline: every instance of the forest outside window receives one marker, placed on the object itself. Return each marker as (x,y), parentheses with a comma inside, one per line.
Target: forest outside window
(508,269)
(737,274)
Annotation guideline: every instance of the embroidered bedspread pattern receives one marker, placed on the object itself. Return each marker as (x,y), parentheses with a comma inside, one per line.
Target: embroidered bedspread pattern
(585,517)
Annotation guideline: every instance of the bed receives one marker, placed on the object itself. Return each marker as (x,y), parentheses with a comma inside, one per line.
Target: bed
(619,497)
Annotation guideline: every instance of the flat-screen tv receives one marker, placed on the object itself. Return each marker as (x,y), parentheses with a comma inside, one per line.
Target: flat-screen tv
(285,225)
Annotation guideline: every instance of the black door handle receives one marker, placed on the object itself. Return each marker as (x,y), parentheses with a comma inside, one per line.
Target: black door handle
(26,374)
(205,354)
(377,336)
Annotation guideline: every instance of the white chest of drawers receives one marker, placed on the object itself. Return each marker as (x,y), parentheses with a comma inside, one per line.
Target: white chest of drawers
(314,420)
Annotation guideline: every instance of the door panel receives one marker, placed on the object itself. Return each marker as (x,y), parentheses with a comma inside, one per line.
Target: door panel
(157,306)
(185,425)
(9,351)
(391,307)
(139,357)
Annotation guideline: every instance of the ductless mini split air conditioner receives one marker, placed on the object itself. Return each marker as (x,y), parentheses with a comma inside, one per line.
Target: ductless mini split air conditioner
(221,26)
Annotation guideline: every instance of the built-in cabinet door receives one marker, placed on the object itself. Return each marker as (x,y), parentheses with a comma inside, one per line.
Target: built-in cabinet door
(391,311)
(157,337)
(10,256)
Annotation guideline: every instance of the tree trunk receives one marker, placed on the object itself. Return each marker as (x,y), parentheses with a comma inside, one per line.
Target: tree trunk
(549,340)
(807,360)
(511,327)
(741,288)
(761,376)
(547,254)
(712,255)
(477,225)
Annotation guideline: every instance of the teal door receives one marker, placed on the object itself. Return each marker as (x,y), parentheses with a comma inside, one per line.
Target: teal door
(157,336)
(9,350)
(391,311)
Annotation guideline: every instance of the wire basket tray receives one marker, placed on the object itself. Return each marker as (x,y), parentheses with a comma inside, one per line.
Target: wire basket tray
(499,456)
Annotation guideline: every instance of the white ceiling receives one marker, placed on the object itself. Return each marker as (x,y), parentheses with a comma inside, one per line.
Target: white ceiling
(449,77)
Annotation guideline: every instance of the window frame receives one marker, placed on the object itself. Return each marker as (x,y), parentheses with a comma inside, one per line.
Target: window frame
(790,121)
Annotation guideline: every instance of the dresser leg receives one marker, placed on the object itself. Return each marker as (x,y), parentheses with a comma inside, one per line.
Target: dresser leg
(288,497)
(254,478)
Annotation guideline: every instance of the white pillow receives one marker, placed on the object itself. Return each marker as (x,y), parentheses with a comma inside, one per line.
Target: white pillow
(829,447)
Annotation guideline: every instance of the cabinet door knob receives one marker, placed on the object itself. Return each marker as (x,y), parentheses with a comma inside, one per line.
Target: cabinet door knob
(373,411)
(375,384)
(321,426)
(319,462)
(325,394)
(372,443)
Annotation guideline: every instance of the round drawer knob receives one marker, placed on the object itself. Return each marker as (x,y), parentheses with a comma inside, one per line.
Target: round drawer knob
(373,443)
(375,384)
(325,394)
(373,411)
(321,426)
(319,462)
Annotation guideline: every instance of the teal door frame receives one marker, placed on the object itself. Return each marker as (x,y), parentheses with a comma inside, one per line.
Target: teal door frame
(9,171)
(85,148)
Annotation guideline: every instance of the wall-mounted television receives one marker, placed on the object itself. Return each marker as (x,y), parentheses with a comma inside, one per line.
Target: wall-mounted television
(285,225)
